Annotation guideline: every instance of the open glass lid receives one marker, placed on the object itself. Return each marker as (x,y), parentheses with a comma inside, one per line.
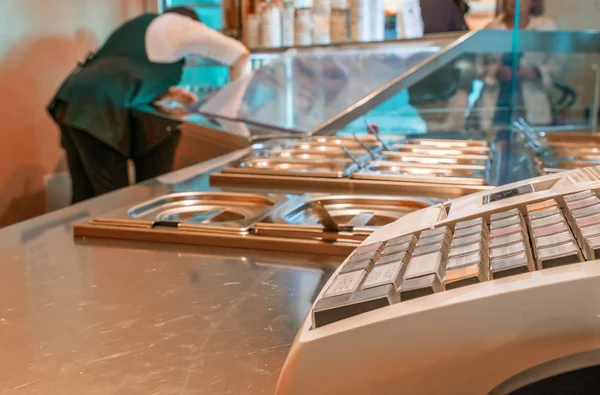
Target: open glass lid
(303,92)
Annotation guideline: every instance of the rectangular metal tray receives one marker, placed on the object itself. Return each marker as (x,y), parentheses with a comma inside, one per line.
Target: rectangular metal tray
(198,211)
(367,139)
(435,166)
(298,168)
(543,139)
(442,143)
(588,155)
(567,164)
(557,137)
(325,143)
(481,161)
(551,170)
(332,147)
(292,154)
(391,171)
(593,152)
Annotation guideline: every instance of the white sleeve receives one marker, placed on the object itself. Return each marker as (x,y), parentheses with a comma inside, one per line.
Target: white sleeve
(196,38)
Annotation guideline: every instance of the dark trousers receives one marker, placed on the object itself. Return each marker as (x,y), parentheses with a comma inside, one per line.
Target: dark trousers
(97,168)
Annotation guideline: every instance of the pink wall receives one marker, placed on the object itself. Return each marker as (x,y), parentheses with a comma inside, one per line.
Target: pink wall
(41,42)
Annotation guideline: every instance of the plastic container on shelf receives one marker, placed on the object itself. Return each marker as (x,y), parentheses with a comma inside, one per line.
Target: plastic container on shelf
(339,4)
(360,26)
(378,20)
(303,29)
(252,31)
(303,3)
(270,25)
(338,25)
(409,23)
(321,28)
(288,15)
(321,6)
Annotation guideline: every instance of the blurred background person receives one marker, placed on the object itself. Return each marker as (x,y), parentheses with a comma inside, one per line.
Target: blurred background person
(443,16)
(442,98)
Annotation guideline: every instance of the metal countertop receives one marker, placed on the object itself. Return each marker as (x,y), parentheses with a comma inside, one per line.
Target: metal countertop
(111,317)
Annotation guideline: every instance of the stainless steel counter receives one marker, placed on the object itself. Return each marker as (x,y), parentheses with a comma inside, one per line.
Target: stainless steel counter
(108,317)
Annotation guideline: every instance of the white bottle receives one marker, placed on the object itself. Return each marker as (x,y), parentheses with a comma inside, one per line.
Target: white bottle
(409,23)
(378,20)
(360,26)
(304,26)
(321,28)
(271,26)
(289,24)
(252,31)
(303,3)
(321,6)
(339,4)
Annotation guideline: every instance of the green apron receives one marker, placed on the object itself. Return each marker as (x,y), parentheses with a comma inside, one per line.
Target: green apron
(98,95)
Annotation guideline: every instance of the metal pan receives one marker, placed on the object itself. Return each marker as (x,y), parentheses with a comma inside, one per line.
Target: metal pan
(299,168)
(367,139)
(199,211)
(563,153)
(571,155)
(441,143)
(476,160)
(431,164)
(331,147)
(550,170)
(273,145)
(562,145)
(568,164)
(543,136)
(570,137)
(440,151)
(291,154)
(321,144)
(357,215)
(390,172)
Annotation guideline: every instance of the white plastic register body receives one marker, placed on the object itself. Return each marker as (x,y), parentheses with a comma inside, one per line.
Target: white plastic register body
(468,297)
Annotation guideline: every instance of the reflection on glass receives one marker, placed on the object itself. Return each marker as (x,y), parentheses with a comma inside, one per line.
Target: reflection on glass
(549,88)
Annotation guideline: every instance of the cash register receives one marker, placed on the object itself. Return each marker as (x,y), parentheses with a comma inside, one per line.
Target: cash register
(483,294)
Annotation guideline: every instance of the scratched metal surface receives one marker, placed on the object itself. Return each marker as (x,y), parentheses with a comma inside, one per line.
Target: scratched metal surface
(109,317)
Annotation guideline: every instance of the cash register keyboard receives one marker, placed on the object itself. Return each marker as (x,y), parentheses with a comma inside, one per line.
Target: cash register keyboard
(515,241)
(481,295)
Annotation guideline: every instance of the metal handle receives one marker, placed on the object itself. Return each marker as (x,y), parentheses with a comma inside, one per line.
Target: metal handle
(383,144)
(363,146)
(377,137)
(529,133)
(165,224)
(327,220)
(349,155)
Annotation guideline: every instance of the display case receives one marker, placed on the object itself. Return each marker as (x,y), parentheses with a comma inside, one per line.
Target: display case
(441,86)
(283,80)
(447,91)
(346,84)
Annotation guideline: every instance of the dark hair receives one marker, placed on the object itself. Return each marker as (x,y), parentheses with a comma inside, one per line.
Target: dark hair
(185,11)
(464,7)
(537,7)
